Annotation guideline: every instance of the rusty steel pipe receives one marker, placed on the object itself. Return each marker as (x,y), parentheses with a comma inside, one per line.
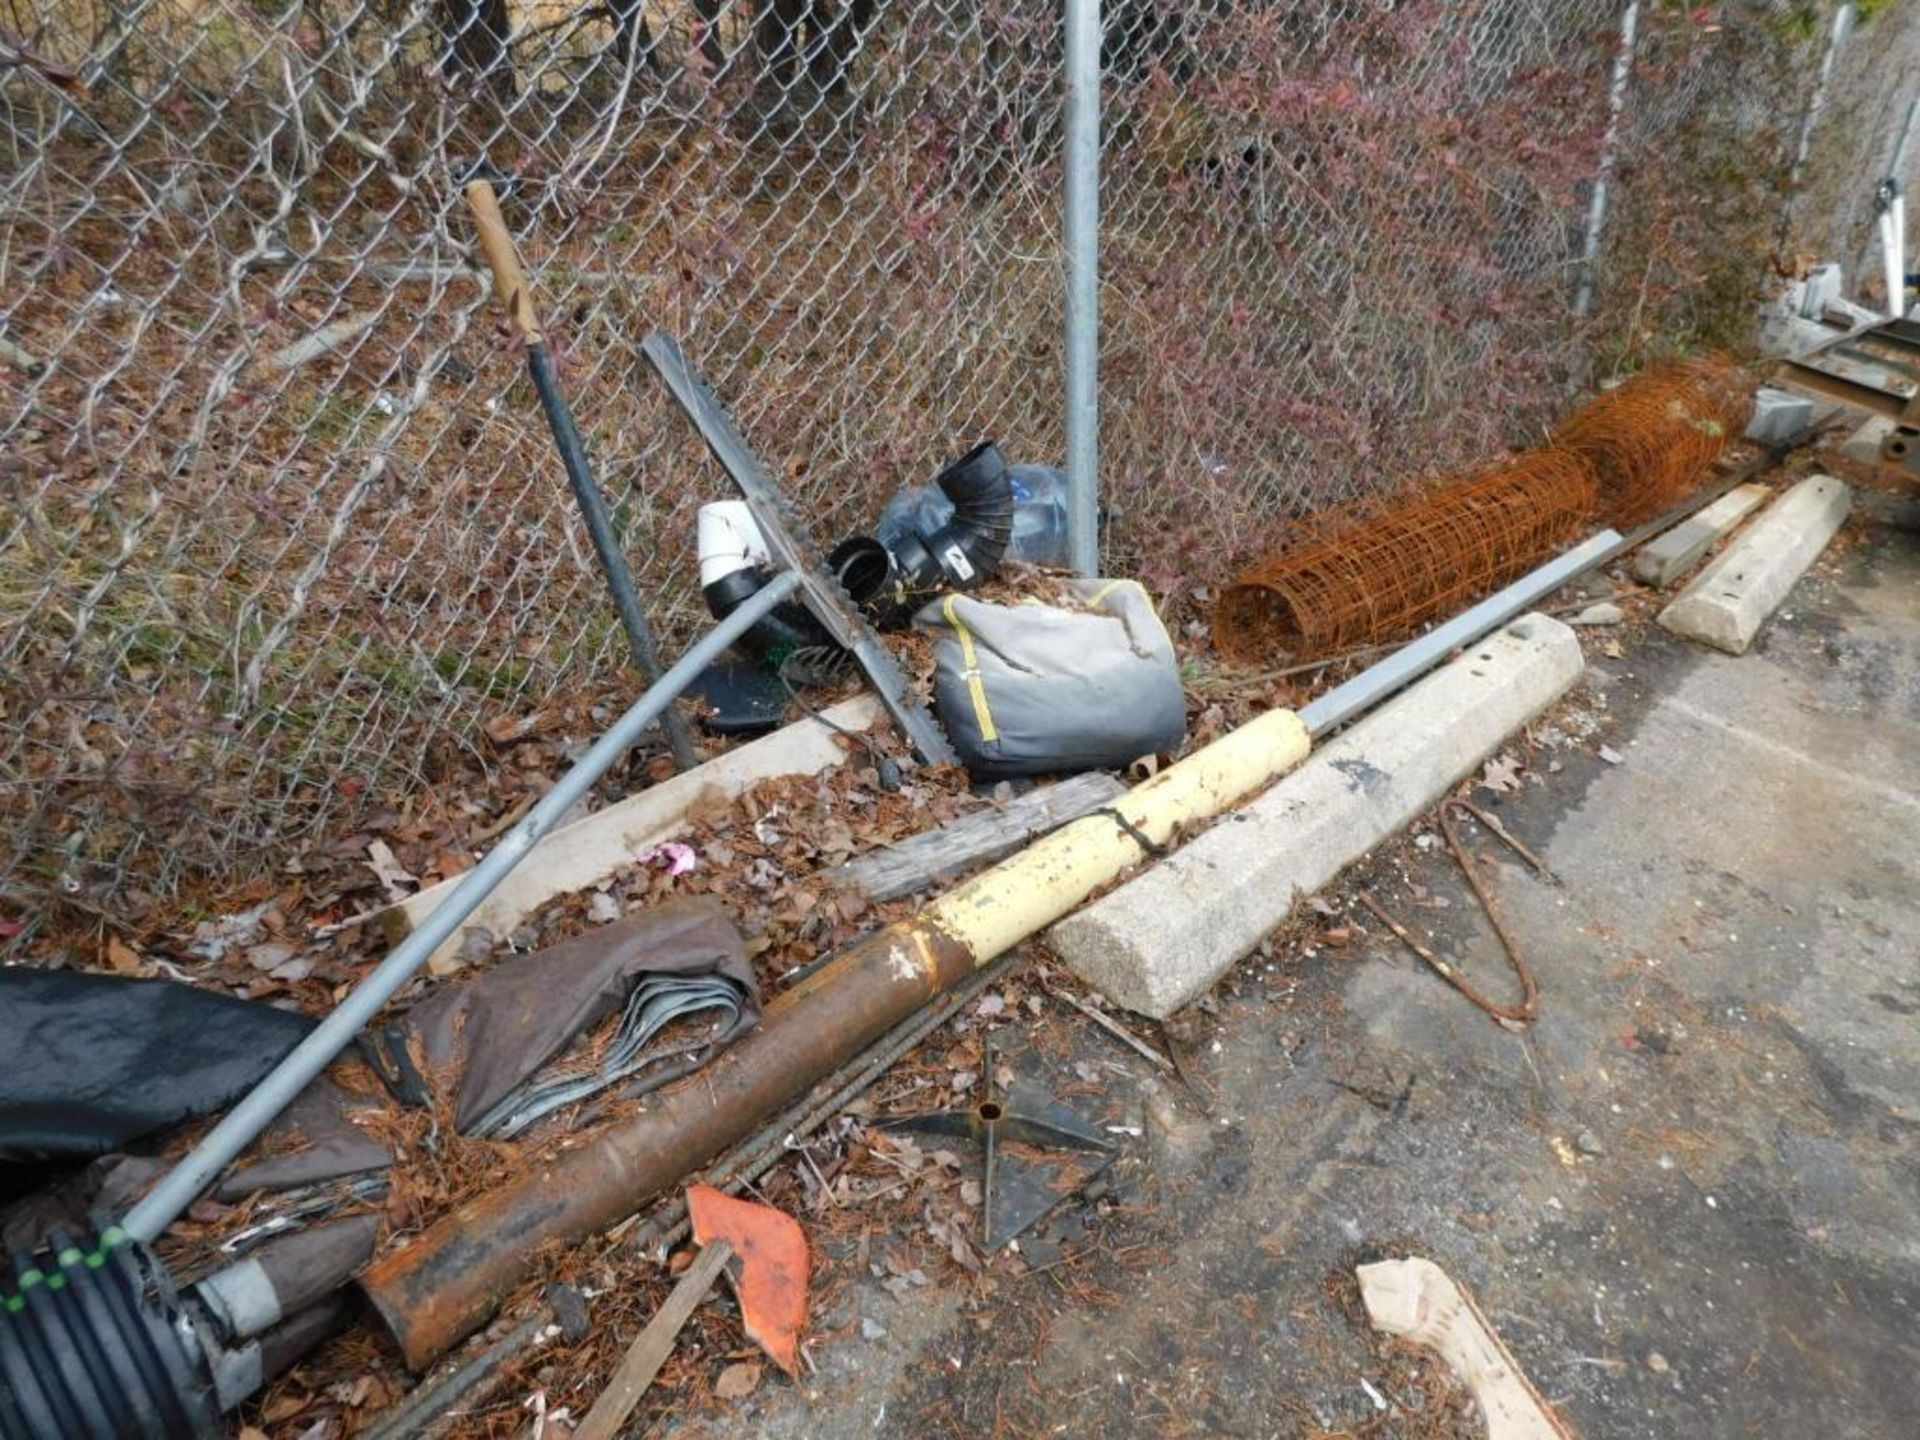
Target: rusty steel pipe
(450,1279)
(445,1284)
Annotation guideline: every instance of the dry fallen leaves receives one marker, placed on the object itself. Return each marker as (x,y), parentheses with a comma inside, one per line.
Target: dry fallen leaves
(736,1382)
(1501,774)
(397,880)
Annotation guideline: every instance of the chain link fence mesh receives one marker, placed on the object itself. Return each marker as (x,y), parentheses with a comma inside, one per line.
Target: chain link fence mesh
(286,529)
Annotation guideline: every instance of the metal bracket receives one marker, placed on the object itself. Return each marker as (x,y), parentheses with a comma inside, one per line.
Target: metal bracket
(787,539)
(1014,1193)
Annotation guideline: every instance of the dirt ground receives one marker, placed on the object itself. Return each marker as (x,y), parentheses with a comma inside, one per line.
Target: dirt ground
(1685,1196)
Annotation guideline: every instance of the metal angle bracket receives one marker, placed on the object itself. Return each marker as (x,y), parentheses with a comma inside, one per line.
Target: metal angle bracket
(1016,1192)
(787,540)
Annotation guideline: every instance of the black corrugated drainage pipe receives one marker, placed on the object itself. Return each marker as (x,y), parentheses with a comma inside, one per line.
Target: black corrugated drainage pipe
(95,1344)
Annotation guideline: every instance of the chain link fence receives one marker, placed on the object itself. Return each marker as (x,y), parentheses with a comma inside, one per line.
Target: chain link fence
(286,530)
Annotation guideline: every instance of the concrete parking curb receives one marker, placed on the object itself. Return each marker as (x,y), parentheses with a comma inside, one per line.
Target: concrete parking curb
(1166,936)
(1730,600)
(1662,562)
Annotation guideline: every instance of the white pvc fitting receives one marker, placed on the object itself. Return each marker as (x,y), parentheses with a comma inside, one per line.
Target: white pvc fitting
(729,540)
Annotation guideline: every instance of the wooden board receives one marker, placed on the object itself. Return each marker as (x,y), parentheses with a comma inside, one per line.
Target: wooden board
(1417,1300)
(651,1348)
(586,852)
(1663,561)
(916,862)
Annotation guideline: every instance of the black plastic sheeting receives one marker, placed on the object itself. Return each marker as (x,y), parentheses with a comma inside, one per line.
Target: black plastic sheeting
(96,1062)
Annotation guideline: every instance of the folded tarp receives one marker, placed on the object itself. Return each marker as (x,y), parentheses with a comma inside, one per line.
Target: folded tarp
(497,1030)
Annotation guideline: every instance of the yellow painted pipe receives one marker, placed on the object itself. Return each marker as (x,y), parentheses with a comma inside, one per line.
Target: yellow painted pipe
(1054,875)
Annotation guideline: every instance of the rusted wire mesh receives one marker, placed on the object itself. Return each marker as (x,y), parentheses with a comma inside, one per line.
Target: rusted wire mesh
(1651,438)
(1355,577)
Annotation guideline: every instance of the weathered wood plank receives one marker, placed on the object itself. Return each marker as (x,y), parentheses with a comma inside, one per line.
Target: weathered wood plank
(651,1348)
(589,850)
(1417,1300)
(916,862)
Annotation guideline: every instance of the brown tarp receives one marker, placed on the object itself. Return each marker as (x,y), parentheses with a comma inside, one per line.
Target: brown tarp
(495,1030)
(486,1034)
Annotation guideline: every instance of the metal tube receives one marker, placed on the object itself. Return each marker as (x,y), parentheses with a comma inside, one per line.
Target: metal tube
(240,1126)
(1597,205)
(1411,661)
(1082,225)
(1897,259)
(1816,105)
(1890,255)
(613,564)
(1896,169)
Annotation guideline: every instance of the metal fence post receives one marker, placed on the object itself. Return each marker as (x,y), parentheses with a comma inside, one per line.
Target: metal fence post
(1891,183)
(1083,284)
(1816,103)
(1597,206)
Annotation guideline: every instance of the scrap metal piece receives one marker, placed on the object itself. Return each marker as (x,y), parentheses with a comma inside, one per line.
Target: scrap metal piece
(1528,1007)
(1902,447)
(774,1270)
(1876,369)
(1015,1193)
(787,541)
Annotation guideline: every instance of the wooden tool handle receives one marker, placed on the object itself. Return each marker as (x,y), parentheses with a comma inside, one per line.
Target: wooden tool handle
(509,282)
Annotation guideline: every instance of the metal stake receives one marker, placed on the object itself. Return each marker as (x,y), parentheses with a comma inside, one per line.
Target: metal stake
(510,284)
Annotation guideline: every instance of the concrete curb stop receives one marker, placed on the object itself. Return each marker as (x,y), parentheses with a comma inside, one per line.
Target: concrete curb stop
(1663,561)
(1166,936)
(1730,600)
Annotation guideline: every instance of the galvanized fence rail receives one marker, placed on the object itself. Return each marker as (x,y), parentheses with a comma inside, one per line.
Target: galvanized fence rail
(284,527)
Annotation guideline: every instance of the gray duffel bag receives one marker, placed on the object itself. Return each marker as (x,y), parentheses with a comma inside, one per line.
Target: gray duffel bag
(1035,689)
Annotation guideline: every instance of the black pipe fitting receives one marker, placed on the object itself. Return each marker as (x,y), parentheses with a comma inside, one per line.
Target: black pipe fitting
(891,583)
(774,636)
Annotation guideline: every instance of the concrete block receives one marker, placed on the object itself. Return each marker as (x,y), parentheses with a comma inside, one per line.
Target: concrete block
(1778,415)
(1863,446)
(1731,599)
(1167,935)
(1820,289)
(1664,560)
